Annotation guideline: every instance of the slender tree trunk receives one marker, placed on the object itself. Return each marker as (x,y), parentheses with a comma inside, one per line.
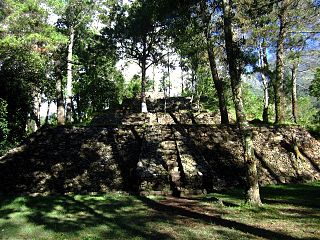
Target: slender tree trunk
(218,83)
(181,76)
(154,79)
(193,80)
(143,88)
(265,114)
(294,100)
(69,76)
(278,84)
(182,83)
(46,121)
(59,96)
(169,78)
(36,109)
(233,56)
(265,83)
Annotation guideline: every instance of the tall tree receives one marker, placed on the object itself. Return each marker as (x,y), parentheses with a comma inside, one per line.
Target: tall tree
(259,21)
(138,35)
(265,76)
(235,69)
(26,44)
(297,22)
(98,85)
(75,15)
(206,17)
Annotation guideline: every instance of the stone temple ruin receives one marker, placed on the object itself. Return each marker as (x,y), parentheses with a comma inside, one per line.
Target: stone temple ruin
(170,150)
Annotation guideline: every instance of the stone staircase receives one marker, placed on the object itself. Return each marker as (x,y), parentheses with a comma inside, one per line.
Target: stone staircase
(175,110)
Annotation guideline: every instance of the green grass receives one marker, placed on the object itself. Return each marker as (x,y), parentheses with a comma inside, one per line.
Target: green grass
(289,212)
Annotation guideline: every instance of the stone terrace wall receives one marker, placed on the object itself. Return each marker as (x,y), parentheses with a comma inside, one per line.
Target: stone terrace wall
(166,158)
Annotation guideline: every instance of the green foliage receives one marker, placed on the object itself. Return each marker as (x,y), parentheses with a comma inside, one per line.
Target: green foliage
(4,128)
(135,31)
(315,92)
(133,87)
(26,47)
(315,85)
(98,85)
(307,112)
(253,102)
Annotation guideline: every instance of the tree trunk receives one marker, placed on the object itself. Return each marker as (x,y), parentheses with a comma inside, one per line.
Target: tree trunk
(69,76)
(278,84)
(182,83)
(169,77)
(218,84)
(294,100)
(182,77)
(265,114)
(253,192)
(154,88)
(59,95)
(144,108)
(233,57)
(193,80)
(219,87)
(265,83)
(36,109)
(46,121)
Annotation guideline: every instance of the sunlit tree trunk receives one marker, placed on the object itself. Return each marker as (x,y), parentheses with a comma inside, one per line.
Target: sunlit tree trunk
(233,56)
(265,82)
(169,77)
(59,95)
(294,100)
(265,114)
(278,83)
(143,66)
(69,76)
(143,89)
(36,109)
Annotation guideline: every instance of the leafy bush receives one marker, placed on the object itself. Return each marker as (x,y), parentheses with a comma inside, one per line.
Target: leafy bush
(307,112)
(253,102)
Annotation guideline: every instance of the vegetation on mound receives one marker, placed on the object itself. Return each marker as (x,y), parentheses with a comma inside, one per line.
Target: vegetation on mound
(289,212)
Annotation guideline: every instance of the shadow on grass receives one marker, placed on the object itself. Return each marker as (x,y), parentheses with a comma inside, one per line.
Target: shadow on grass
(173,210)
(307,195)
(125,217)
(69,215)
(304,195)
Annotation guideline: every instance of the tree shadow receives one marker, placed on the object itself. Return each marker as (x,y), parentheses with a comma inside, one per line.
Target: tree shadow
(216,220)
(126,148)
(294,194)
(72,214)
(223,169)
(67,159)
(265,164)
(156,162)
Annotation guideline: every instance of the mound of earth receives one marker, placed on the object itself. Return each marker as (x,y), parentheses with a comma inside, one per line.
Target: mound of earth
(168,158)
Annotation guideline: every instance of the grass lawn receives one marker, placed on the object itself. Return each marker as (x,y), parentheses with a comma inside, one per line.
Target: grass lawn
(289,212)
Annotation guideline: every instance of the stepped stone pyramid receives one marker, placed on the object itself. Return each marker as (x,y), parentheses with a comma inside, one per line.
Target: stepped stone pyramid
(170,150)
